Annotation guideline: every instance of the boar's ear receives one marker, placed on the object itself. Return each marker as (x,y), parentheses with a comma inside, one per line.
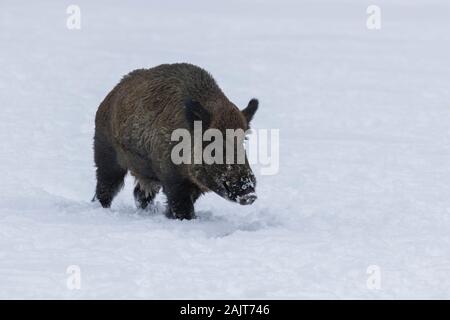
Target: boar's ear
(250,111)
(196,112)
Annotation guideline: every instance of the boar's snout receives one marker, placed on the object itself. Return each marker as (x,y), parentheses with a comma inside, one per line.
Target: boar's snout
(242,190)
(248,198)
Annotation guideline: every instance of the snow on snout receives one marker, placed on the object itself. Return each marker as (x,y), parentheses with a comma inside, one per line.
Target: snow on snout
(247,183)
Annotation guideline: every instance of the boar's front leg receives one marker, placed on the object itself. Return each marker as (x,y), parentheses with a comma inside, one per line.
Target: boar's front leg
(145,192)
(180,199)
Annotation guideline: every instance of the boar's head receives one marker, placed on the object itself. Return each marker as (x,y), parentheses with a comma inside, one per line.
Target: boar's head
(224,168)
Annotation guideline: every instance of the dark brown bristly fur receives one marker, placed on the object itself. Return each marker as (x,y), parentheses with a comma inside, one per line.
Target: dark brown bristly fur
(133,130)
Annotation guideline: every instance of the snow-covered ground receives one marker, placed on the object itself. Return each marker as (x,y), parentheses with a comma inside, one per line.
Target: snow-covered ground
(364,175)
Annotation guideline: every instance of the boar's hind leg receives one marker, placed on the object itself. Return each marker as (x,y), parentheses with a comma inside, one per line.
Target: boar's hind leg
(110,175)
(145,191)
(180,200)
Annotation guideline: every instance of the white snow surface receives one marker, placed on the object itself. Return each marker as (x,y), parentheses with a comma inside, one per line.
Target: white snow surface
(364,173)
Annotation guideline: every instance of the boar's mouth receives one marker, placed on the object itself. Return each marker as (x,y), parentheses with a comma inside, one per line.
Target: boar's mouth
(227,189)
(243,199)
(223,190)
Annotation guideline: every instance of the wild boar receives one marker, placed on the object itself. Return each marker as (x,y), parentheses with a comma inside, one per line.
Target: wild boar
(133,129)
